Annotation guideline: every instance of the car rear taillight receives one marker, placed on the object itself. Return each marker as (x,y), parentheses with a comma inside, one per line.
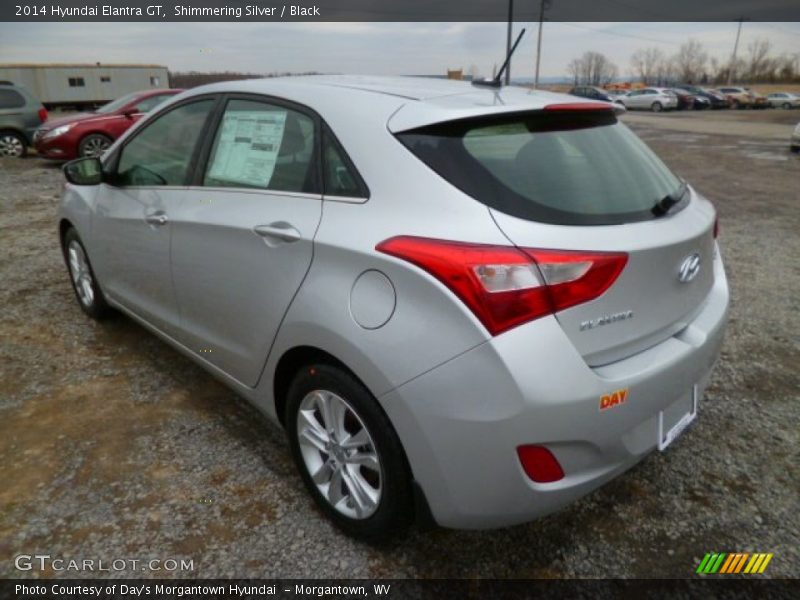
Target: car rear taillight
(539,464)
(42,114)
(505,286)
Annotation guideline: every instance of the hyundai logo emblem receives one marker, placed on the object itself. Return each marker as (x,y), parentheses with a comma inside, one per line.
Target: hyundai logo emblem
(690,267)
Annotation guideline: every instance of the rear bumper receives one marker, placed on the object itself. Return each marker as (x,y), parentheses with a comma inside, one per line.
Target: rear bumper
(462,422)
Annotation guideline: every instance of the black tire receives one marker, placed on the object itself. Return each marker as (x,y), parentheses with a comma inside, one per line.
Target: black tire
(394,511)
(786,106)
(94,144)
(795,149)
(656,107)
(13,144)
(94,304)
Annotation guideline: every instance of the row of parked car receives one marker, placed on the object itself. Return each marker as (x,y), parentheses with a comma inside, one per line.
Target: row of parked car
(686,97)
(24,122)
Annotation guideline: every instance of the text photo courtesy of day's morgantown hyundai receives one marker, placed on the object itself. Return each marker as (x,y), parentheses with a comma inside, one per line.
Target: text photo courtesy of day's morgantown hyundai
(399,299)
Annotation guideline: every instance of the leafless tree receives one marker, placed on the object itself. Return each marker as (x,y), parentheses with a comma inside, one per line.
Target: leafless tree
(759,64)
(593,68)
(690,61)
(648,64)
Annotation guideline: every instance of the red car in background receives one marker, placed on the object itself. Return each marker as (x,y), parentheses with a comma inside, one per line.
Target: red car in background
(90,134)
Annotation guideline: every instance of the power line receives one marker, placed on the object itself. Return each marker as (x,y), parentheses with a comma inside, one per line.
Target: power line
(619,34)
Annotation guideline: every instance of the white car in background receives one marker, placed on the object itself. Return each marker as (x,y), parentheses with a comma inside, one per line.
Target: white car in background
(783,100)
(651,98)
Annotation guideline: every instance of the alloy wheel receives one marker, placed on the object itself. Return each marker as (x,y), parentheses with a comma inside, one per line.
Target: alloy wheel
(11,145)
(81,273)
(94,147)
(339,454)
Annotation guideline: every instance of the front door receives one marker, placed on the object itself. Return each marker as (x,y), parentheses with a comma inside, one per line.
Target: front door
(132,216)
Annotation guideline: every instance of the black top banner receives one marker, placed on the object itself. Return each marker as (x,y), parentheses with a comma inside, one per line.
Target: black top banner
(401,10)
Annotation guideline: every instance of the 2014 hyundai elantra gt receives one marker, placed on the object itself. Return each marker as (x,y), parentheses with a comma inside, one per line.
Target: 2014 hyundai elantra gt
(466,304)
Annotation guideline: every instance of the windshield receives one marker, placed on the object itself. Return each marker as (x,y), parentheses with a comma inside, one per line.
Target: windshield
(570,167)
(117,104)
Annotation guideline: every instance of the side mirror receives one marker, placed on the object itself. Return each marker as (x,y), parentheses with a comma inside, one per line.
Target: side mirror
(128,114)
(84,171)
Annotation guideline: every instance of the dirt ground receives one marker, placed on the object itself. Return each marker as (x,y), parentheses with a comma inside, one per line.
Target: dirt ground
(113,446)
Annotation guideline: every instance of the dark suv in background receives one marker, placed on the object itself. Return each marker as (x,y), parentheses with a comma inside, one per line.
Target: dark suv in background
(589,91)
(20,114)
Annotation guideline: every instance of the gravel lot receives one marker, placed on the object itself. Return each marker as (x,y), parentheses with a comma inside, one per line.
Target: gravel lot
(112,445)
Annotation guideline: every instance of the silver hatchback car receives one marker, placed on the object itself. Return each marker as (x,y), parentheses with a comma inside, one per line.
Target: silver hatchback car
(465,305)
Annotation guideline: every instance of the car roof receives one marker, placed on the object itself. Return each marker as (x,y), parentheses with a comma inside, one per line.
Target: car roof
(401,102)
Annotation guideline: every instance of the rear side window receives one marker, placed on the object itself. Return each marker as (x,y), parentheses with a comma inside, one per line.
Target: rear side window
(341,177)
(261,145)
(11,99)
(572,168)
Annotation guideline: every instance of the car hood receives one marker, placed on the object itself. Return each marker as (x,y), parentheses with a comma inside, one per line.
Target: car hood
(76,118)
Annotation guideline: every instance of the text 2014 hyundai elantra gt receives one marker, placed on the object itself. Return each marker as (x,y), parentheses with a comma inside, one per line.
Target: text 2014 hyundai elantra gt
(466,304)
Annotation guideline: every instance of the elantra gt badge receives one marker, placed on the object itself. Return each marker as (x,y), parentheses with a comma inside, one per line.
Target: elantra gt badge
(606,319)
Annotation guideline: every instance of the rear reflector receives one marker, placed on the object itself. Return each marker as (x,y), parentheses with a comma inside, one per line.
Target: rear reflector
(539,464)
(42,115)
(505,286)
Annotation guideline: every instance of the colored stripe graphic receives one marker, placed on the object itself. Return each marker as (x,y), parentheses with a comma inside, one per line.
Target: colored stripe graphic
(734,562)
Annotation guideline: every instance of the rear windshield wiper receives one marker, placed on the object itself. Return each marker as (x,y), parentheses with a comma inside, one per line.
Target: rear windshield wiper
(663,206)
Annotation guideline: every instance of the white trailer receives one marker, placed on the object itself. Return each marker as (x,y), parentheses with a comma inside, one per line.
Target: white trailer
(83,85)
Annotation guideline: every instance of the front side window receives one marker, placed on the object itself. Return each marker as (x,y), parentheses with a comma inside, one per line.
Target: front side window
(263,146)
(572,168)
(161,153)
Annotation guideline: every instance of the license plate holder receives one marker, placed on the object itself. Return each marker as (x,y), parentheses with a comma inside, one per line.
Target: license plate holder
(665,438)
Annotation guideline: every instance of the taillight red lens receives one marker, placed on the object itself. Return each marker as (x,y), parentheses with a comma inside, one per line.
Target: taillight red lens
(42,114)
(505,286)
(539,464)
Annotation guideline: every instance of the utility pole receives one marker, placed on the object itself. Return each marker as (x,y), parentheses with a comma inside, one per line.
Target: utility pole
(544,5)
(508,38)
(735,48)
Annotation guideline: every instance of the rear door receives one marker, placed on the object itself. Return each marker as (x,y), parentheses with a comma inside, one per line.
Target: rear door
(243,236)
(581,181)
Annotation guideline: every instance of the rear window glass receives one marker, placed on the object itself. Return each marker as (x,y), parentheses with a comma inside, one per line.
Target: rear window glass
(11,99)
(581,168)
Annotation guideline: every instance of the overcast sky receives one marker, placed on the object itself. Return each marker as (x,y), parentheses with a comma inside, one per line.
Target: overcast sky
(377,48)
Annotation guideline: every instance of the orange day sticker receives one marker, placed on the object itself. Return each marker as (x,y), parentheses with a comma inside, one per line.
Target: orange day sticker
(613,399)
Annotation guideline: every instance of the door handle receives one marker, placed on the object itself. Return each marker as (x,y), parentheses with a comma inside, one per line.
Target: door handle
(157,219)
(280,230)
